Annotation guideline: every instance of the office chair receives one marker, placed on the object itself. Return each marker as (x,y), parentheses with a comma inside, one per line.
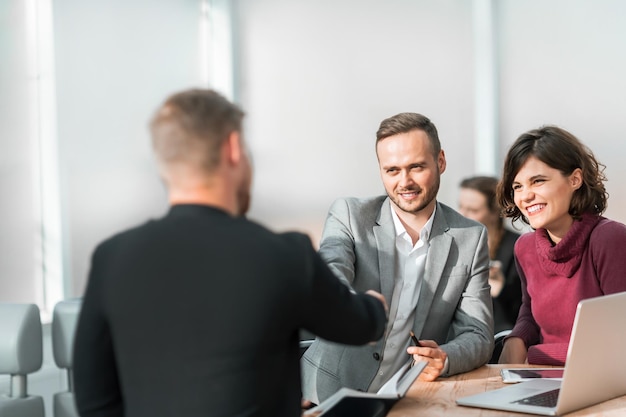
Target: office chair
(21,353)
(498,344)
(64,320)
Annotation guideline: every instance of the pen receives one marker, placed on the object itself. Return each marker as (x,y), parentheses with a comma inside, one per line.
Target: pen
(414,339)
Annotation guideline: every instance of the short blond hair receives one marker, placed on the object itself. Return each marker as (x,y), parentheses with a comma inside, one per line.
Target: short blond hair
(191,126)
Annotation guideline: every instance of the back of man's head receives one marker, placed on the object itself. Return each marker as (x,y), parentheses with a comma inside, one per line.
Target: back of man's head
(190,128)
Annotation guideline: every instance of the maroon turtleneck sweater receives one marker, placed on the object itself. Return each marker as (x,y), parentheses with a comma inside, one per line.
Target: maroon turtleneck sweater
(589,261)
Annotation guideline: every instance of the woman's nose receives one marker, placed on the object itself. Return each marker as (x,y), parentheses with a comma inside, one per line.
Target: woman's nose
(527,195)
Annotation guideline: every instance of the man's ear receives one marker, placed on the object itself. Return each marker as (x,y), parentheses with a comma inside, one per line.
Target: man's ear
(441,161)
(234,147)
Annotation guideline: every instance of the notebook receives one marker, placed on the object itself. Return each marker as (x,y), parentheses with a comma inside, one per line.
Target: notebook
(589,378)
(349,402)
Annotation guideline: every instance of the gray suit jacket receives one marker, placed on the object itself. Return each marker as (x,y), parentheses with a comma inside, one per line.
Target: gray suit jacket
(454,306)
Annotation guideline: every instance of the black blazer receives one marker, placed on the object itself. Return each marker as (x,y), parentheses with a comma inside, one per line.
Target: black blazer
(197,314)
(506,306)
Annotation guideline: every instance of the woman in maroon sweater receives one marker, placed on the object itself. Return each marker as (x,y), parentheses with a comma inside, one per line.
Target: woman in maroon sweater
(553,182)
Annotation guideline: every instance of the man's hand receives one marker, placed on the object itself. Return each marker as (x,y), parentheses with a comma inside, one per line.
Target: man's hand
(430,352)
(379,297)
(306,404)
(496,278)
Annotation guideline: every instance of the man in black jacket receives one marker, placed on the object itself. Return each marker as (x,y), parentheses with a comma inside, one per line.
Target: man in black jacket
(198,313)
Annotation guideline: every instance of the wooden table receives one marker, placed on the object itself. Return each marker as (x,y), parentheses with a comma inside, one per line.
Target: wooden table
(437,398)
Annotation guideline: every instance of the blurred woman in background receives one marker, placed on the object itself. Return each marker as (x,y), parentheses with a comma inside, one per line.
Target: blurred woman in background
(477,201)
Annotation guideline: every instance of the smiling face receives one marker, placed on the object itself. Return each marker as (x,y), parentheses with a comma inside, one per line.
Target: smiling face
(410,172)
(543,195)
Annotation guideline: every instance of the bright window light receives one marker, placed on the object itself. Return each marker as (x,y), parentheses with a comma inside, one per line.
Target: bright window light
(216,46)
(49,253)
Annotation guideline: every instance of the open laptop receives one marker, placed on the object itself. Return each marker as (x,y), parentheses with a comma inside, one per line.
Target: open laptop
(595,369)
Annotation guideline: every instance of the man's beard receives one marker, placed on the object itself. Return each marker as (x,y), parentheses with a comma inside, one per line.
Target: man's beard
(423,203)
(243,200)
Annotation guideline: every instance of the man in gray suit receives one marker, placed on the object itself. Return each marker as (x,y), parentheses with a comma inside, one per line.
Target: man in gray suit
(429,262)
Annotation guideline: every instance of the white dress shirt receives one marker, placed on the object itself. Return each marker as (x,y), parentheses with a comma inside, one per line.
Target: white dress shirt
(410,263)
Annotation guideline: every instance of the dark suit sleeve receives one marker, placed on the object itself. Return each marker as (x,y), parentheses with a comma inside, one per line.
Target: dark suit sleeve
(510,297)
(97,389)
(332,311)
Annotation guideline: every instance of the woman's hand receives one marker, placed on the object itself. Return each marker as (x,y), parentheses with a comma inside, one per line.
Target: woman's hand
(514,351)
(496,278)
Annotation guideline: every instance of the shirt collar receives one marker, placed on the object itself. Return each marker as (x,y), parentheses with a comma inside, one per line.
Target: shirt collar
(399,227)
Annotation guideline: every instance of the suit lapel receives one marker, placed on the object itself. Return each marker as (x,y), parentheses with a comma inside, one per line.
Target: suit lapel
(385,235)
(440,243)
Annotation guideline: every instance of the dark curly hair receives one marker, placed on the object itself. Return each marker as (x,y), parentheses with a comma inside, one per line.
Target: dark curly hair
(560,150)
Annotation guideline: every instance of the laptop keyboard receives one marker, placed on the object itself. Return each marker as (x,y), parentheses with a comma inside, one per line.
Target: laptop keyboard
(545,399)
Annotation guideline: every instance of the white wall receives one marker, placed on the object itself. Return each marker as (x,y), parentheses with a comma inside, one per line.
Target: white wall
(116,62)
(564,62)
(19,223)
(318,77)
